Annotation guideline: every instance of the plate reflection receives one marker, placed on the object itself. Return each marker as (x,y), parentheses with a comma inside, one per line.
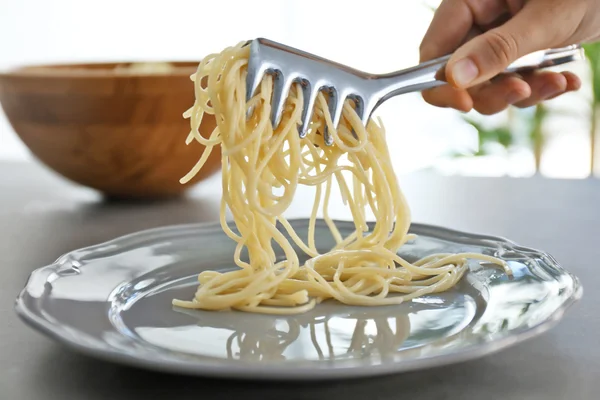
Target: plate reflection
(329,332)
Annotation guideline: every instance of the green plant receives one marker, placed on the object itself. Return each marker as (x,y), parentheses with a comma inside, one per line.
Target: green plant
(528,124)
(487,136)
(592,53)
(536,133)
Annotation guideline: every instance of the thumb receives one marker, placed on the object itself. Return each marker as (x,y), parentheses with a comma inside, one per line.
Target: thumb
(488,54)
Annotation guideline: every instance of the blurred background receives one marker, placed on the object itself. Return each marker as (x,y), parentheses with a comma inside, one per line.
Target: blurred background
(554,140)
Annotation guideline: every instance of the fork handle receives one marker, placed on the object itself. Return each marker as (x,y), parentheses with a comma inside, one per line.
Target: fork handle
(431,74)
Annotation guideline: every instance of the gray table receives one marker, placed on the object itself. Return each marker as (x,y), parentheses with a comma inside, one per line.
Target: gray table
(42,216)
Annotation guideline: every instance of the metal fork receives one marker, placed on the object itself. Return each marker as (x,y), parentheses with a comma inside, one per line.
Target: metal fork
(289,65)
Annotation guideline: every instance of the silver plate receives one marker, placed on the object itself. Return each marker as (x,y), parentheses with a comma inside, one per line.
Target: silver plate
(113,301)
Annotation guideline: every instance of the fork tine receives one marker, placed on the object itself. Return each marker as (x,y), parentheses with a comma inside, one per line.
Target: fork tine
(366,110)
(281,90)
(336,105)
(310,97)
(254,72)
(359,109)
(253,79)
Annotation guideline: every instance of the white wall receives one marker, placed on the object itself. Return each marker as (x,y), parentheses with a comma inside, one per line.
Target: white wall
(374,35)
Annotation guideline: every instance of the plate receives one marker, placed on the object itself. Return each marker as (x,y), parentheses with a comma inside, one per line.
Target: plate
(113,301)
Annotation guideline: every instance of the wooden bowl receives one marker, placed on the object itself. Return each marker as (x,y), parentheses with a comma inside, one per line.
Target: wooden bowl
(117,128)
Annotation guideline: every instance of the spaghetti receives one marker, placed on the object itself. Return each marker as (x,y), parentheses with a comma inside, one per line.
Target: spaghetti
(261,170)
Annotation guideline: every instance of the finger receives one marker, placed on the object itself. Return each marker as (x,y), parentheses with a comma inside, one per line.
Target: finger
(514,6)
(544,85)
(442,37)
(490,53)
(573,81)
(573,84)
(493,97)
(448,97)
(500,20)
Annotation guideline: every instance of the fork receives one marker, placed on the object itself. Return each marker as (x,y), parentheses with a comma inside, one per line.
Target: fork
(315,74)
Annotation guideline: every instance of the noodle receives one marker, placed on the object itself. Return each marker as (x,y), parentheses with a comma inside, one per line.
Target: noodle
(261,169)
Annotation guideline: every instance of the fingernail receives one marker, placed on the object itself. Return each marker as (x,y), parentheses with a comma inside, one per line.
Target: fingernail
(464,72)
(548,91)
(514,97)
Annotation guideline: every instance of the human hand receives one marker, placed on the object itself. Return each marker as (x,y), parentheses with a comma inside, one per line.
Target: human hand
(488,35)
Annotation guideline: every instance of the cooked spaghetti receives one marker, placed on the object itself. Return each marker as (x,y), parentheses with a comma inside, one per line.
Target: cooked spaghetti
(261,170)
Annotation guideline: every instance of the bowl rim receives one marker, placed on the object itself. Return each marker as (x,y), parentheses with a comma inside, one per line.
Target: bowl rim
(99,70)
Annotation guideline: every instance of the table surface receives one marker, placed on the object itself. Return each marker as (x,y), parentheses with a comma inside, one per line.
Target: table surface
(43,216)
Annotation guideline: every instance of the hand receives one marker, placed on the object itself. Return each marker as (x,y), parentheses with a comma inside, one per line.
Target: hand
(488,35)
